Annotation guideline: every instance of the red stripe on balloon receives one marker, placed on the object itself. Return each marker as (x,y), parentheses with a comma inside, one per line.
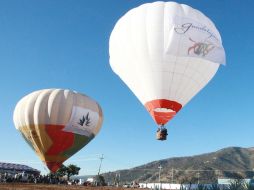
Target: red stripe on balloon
(162,118)
(61,140)
(53,166)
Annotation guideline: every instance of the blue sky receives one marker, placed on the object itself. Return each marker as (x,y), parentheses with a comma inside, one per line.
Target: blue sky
(64,44)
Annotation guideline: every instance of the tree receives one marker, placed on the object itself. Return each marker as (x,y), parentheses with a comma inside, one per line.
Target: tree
(68,171)
(236,184)
(72,170)
(100,180)
(62,171)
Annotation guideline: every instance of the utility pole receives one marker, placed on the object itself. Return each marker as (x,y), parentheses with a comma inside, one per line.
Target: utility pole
(172,176)
(217,173)
(160,177)
(198,177)
(101,158)
(117,179)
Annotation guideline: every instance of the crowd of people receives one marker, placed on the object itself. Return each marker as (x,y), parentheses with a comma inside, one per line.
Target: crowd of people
(32,178)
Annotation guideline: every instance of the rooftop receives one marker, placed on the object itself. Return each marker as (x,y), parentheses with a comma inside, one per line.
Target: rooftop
(17,167)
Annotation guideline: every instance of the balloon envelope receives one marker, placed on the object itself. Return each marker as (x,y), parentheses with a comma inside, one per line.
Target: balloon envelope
(57,123)
(166,53)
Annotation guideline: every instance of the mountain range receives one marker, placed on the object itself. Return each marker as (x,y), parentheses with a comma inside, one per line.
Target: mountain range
(232,162)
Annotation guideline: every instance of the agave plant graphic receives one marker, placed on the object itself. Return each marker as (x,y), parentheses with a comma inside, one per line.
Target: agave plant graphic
(85,120)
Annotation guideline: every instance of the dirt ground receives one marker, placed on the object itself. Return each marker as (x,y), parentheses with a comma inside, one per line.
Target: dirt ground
(24,186)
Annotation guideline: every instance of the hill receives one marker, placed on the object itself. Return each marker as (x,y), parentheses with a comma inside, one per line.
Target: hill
(232,162)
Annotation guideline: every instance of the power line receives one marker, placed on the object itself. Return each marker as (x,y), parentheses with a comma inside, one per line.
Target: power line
(79,159)
(217,170)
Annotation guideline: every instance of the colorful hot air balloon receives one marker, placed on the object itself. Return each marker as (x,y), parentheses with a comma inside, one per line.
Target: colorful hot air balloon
(166,53)
(57,123)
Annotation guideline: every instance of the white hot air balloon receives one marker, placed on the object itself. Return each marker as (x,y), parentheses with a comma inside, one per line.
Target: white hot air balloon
(166,53)
(57,123)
